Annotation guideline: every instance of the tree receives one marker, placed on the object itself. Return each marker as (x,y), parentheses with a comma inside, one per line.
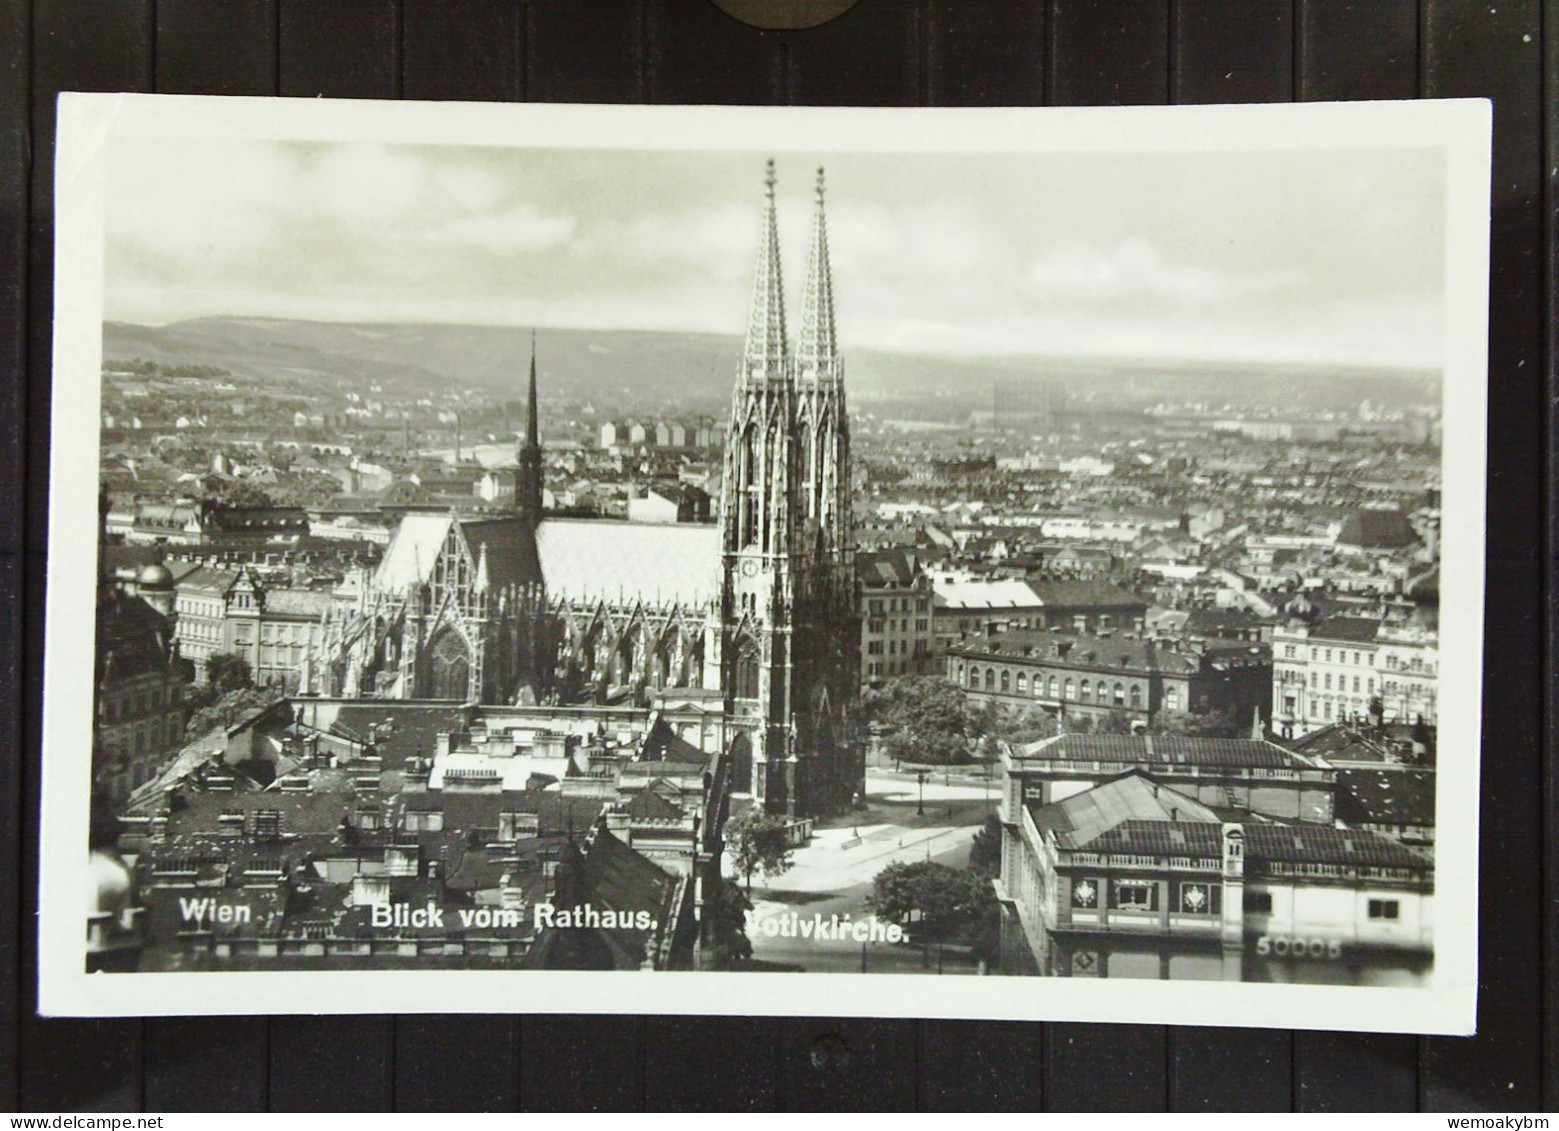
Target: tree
(927,719)
(985,850)
(227,672)
(238,493)
(939,901)
(726,911)
(1213,724)
(759,843)
(227,710)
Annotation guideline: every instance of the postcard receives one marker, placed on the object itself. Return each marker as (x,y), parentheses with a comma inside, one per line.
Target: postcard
(903,563)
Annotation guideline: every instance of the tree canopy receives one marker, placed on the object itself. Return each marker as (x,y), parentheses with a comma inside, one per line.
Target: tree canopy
(227,672)
(1212,724)
(926,719)
(759,844)
(934,900)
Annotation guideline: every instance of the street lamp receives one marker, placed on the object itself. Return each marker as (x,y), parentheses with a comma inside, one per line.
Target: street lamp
(920,780)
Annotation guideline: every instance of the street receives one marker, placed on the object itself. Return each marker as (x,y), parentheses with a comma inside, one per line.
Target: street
(832,874)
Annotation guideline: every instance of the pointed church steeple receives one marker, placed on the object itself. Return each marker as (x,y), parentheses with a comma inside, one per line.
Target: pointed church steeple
(765,355)
(527,487)
(819,345)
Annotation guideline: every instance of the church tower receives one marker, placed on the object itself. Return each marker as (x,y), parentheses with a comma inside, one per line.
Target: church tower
(784,553)
(527,485)
(822,424)
(756,551)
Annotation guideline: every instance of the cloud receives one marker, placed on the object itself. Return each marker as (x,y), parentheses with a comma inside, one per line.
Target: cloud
(365,184)
(523,227)
(1134,268)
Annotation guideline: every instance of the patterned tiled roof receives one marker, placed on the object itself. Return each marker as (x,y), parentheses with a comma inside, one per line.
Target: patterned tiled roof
(590,560)
(1270,843)
(1171,749)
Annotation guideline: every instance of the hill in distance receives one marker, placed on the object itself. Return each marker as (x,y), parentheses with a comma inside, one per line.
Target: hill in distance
(625,371)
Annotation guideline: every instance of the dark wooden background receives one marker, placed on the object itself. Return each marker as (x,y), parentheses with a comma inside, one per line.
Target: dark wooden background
(883,52)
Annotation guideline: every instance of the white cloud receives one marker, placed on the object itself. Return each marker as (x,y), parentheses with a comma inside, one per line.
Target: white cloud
(522,228)
(366,184)
(1134,268)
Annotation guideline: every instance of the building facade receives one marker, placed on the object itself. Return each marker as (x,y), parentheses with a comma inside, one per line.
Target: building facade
(140,686)
(1134,879)
(1095,677)
(1352,669)
(273,630)
(894,606)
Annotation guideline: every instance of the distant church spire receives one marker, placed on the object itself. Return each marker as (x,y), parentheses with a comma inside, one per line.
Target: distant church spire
(819,343)
(765,352)
(527,488)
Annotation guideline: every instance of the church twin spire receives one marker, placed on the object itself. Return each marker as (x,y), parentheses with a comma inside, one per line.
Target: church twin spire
(766,355)
(766,352)
(819,346)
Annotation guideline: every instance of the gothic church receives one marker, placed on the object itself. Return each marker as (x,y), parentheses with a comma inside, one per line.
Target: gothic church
(759,608)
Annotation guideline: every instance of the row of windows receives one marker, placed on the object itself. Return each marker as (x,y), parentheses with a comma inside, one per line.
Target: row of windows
(145,738)
(133,706)
(922,624)
(1290,651)
(1391,662)
(1326,683)
(1080,691)
(1192,897)
(876,606)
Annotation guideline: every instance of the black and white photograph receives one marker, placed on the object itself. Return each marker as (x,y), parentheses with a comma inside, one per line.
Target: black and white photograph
(994,558)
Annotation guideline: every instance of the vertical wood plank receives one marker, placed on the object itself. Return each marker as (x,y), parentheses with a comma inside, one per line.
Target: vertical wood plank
(222,1063)
(453,1063)
(216,46)
(332,1064)
(1231,1070)
(466,49)
(1356,49)
(985,53)
(15,63)
(854,1065)
(1492,50)
(845,1064)
(1106,1068)
(700,55)
(206,1063)
(339,48)
(70,1065)
(582,1063)
(584,52)
(1233,51)
(742,1048)
(462,49)
(1109,54)
(870,56)
(1356,1072)
(1550,1033)
(981,1066)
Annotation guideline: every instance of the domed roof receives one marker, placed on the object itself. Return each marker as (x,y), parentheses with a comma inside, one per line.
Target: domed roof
(154,577)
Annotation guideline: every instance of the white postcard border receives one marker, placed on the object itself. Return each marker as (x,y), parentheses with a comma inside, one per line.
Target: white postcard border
(1446,1005)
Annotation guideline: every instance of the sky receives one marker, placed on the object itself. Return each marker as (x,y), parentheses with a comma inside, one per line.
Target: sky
(1327,257)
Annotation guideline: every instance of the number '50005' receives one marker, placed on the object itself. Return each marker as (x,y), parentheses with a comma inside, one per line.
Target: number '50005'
(1299,948)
